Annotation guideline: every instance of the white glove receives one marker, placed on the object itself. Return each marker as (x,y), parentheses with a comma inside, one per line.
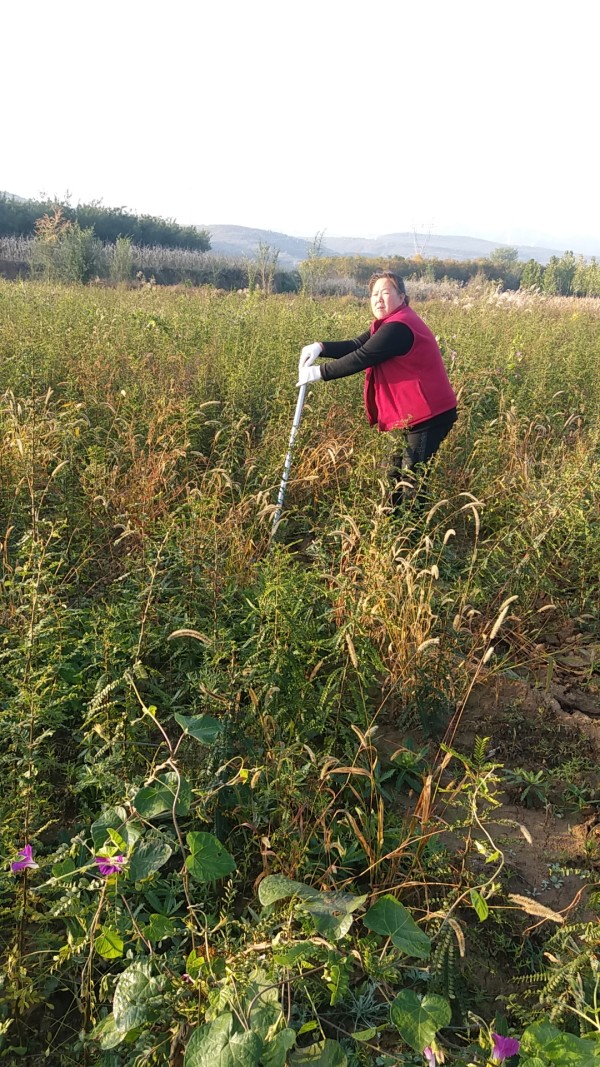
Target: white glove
(306,375)
(309,354)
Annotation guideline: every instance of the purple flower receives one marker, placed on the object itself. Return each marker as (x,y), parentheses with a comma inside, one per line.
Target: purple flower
(24,861)
(108,865)
(504,1047)
(429,1055)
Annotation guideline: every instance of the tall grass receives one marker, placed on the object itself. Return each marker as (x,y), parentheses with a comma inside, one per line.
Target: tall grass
(143,436)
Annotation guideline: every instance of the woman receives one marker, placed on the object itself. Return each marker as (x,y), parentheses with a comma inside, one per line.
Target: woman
(406,384)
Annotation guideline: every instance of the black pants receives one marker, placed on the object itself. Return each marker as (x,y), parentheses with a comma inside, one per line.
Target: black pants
(410,464)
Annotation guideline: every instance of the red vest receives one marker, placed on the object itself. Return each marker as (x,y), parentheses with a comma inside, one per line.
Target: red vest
(405,390)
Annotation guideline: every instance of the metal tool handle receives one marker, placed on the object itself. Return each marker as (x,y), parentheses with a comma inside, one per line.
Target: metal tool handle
(288,458)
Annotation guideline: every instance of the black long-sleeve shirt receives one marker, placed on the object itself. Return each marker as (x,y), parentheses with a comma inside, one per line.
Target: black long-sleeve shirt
(349,357)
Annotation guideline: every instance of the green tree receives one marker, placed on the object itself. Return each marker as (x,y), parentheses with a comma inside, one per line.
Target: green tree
(551,280)
(579,283)
(267,257)
(505,256)
(121,261)
(65,252)
(533,275)
(19,219)
(593,278)
(313,269)
(566,271)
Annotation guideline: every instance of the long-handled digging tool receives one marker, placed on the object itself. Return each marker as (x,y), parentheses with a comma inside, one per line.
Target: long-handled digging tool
(288,458)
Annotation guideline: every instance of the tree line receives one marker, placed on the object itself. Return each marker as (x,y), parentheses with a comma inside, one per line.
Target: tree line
(80,244)
(567,275)
(19,219)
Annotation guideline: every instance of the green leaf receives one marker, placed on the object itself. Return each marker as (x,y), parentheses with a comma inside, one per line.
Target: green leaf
(390,918)
(326,1053)
(64,868)
(149,855)
(332,912)
(137,995)
(571,1051)
(161,926)
(275,1051)
(208,859)
(277,887)
(203,727)
(215,1045)
(262,1007)
(307,1027)
(108,944)
(158,797)
(418,1021)
(544,1041)
(117,840)
(480,905)
(286,955)
(364,1035)
(538,1035)
(194,964)
(115,819)
(106,1033)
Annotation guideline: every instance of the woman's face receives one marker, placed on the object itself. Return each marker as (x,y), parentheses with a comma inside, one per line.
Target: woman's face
(385,298)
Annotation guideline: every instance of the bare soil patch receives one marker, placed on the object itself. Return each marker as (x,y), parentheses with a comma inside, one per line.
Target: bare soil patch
(551,728)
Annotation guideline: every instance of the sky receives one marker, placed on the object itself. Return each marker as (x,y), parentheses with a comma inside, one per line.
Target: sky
(358,119)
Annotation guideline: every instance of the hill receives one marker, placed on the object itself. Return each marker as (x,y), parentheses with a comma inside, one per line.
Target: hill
(229,240)
(244,241)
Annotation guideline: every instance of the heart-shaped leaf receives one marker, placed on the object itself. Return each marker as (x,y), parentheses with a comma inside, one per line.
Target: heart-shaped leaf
(208,859)
(204,728)
(137,995)
(326,1053)
(545,1041)
(115,819)
(390,918)
(161,926)
(277,887)
(217,1044)
(418,1021)
(106,1033)
(159,797)
(332,912)
(275,1051)
(109,944)
(149,855)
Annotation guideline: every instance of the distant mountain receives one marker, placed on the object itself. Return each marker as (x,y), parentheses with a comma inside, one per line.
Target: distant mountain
(432,245)
(243,241)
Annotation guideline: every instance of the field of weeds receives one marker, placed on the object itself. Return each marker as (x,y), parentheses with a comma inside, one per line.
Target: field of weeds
(328,798)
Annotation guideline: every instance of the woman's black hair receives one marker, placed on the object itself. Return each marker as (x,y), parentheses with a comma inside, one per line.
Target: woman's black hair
(395,279)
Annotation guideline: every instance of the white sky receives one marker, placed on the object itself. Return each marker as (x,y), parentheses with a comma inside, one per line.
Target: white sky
(469,117)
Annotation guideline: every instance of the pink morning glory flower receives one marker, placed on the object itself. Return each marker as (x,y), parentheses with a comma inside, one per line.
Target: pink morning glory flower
(504,1047)
(24,860)
(429,1055)
(108,865)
